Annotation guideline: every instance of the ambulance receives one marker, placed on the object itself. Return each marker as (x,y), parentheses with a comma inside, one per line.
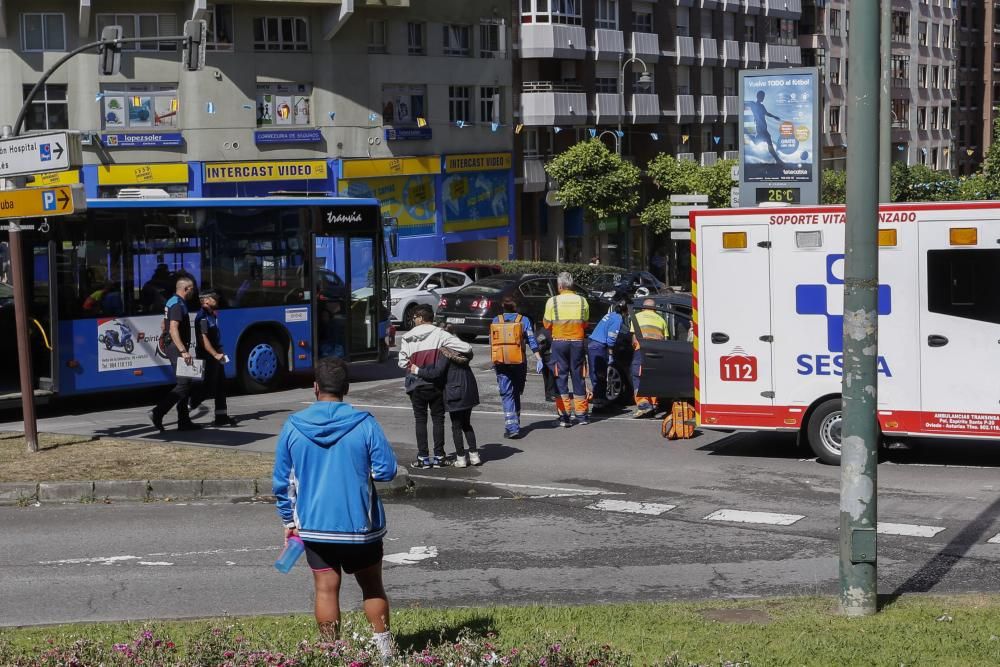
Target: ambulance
(768,315)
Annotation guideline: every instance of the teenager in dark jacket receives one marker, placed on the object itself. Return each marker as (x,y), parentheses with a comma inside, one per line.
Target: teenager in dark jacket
(461,394)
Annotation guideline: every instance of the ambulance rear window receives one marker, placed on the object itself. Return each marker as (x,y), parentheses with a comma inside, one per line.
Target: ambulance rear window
(964,283)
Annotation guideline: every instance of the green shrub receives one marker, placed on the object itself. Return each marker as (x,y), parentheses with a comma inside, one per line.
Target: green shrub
(583,274)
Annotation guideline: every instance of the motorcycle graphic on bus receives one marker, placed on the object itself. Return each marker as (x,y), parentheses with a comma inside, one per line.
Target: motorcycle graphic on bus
(122,338)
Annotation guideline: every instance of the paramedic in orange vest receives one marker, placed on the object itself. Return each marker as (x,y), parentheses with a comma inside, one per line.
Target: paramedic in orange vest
(566,316)
(508,333)
(651,327)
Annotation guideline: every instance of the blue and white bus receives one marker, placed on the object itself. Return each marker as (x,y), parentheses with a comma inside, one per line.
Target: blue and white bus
(300,278)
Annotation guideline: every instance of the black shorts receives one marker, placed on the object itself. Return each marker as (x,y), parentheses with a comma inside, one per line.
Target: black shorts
(350,558)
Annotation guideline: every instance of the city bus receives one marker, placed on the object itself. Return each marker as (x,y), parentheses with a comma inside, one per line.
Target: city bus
(300,278)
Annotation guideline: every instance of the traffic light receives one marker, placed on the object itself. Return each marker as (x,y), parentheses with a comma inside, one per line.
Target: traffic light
(195,37)
(109,59)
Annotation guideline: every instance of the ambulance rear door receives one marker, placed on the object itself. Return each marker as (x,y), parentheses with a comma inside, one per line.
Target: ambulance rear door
(960,326)
(734,320)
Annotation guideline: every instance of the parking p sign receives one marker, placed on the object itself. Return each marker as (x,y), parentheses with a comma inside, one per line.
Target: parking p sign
(48,200)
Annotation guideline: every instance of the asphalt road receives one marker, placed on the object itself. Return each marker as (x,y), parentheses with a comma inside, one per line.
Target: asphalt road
(607,512)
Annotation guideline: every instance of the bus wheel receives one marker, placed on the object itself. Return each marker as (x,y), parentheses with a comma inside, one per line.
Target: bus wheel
(823,431)
(262,364)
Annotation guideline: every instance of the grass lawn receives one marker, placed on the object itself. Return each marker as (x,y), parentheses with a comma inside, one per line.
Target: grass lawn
(918,630)
(71,458)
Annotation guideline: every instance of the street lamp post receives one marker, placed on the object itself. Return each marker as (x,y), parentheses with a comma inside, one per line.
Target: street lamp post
(644,80)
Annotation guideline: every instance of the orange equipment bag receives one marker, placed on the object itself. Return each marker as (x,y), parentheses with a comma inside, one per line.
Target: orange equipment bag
(679,423)
(507,341)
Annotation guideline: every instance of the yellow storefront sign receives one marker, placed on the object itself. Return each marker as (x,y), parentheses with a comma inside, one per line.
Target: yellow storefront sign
(142,174)
(243,172)
(403,166)
(477,162)
(411,200)
(54,178)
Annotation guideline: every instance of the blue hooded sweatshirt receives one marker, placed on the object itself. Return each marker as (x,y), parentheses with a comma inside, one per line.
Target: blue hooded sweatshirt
(326,462)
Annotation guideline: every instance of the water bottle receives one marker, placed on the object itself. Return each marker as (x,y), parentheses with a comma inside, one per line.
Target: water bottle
(292,551)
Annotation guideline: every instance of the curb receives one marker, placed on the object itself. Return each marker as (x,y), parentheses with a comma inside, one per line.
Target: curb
(106,491)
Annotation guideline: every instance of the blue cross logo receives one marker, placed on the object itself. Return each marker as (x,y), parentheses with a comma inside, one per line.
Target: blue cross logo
(45,152)
(811,300)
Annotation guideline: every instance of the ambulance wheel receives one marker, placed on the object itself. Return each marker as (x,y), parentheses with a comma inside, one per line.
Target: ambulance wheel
(823,431)
(263,363)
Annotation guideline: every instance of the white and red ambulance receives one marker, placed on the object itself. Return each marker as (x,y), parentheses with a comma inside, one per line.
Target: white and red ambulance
(768,285)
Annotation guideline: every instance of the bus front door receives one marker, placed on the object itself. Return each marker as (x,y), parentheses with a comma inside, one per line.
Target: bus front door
(38,269)
(344,298)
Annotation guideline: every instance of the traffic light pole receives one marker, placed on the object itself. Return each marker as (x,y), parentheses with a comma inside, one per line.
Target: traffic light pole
(860,430)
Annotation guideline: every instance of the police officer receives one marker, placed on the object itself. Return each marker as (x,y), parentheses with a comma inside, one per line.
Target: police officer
(646,325)
(566,317)
(508,333)
(208,347)
(177,333)
(601,350)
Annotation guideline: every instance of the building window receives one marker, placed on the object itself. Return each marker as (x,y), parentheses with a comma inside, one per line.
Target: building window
(376,37)
(142,25)
(934,118)
(460,104)
(901,71)
(403,104)
(935,34)
(43,32)
(921,118)
(606,85)
(935,77)
(835,71)
(284,104)
(606,15)
(901,26)
(491,40)
(457,40)
(220,28)
(946,37)
(945,118)
(782,31)
(529,139)
(922,33)
(683,22)
(139,106)
(922,76)
(280,33)
(946,77)
(901,114)
(490,110)
(835,28)
(749,29)
(834,119)
(642,21)
(48,110)
(416,39)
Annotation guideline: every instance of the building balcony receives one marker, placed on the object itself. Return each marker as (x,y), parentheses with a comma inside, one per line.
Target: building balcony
(731,107)
(708,159)
(534,175)
(782,56)
(751,54)
(545,40)
(646,45)
(645,108)
(708,108)
(608,44)
(729,53)
(686,3)
(685,50)
(783,9)
(685,109)
(731,155)
(549,103)
(751,6)
(686,156)
(708,51)
(730,5)
(709,4)
(608,108)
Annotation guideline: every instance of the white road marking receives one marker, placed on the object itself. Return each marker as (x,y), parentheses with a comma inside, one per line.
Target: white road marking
(560,492)
(908,529)
(153,562)
(103,560)
(994,540)
(629,507)
(742,516)
(414,555)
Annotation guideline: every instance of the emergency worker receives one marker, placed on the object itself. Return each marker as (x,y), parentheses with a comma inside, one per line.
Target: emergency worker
(509,331)
(601,350)
(566,317)
(646,325)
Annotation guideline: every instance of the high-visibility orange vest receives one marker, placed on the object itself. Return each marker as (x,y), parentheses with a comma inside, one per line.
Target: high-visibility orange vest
(507,341)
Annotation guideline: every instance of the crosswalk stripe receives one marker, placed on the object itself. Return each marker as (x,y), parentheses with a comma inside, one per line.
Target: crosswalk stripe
(629,507)
(743,516)
(908,529)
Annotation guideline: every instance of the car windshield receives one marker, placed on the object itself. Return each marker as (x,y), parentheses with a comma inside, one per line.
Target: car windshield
(405,279)
(486,286)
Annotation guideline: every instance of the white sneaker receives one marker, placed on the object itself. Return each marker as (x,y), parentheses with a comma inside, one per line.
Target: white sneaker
(460,462)
(474,459)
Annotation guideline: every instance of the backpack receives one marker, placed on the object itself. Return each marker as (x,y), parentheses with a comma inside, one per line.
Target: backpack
(679,423)
(507,341)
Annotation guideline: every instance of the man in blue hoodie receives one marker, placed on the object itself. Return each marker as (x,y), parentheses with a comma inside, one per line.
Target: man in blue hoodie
(326,463)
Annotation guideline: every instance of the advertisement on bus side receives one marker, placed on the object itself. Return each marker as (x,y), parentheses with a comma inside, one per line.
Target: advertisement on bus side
(127,343)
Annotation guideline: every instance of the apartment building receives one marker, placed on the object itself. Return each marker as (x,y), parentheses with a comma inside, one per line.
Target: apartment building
(978,85)
(581,67)
(923,77)
(407,101)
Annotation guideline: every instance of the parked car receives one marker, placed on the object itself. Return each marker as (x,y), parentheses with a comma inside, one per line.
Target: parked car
(470,310)
(668,365)
(475,270)
(614,286)
(409,288)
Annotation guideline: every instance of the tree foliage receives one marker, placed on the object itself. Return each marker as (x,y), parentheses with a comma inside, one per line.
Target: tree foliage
(683,177)
(656,216)
(595,179)
(834,187)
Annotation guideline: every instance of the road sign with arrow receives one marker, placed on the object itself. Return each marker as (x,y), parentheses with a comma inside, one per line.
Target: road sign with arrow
(41,202)
(36,153)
